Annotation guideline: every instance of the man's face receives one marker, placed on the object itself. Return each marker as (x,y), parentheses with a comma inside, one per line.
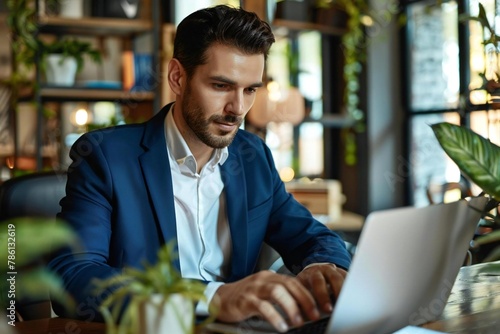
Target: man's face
(219,95)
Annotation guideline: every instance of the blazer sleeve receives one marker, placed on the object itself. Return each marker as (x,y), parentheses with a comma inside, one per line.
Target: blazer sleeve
(87,208)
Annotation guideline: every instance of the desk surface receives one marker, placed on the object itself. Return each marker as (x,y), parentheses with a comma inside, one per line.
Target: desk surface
(474,304)
(473,307)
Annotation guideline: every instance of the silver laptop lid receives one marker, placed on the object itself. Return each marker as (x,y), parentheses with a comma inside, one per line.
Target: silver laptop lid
(405,266)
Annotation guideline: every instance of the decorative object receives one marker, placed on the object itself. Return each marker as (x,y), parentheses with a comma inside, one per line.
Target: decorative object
(275,104)
(21,20)
(294,10)
(62,59)
(116,8)
(145,301)
(60,70)
(71,8)
(174,314)
(27,47)
(479,160)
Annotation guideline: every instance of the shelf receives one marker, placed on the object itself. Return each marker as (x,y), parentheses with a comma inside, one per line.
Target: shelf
(93,26)
(86,94)
(298,25)
(333,121)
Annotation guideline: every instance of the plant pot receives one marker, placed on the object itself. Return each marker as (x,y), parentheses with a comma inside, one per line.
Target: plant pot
(176,315)
(71,8)
(5,327)
(332,17)
(60,71)
(294,10)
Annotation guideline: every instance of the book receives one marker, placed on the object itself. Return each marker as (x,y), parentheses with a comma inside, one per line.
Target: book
(145,79)
(128,70)
(137,72)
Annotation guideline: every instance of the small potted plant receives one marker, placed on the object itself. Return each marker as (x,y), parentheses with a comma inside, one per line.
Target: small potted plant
(479,159)
(64,58)
(152,300)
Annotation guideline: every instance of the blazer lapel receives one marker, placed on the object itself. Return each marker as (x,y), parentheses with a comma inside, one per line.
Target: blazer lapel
(157,176)
(235,188)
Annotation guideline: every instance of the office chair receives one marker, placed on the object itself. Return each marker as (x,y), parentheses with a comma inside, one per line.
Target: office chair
(32,195)
(449,191)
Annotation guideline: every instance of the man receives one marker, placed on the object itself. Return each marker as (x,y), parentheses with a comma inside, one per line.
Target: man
(190,174)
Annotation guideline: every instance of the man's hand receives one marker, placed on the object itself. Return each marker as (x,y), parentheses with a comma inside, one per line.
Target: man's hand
(323,280)
(255,295)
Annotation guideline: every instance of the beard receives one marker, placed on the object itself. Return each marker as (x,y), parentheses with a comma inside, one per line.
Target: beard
(200,126)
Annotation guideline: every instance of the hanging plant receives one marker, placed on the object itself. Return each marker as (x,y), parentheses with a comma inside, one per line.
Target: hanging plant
(354,47)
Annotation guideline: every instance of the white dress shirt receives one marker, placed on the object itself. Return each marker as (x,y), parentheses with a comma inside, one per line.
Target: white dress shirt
(204,241)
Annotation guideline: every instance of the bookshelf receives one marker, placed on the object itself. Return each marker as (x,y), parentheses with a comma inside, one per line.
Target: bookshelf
(128,34)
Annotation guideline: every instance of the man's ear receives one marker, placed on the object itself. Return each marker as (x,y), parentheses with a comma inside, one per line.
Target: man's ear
(176,76)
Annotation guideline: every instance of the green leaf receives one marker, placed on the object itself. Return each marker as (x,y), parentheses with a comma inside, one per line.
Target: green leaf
(476,156)
(133,286)
(487,238)
(32,238)
(39,283)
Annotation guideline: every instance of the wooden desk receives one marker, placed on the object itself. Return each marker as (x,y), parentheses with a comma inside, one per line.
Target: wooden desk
(473,307)
(59,326)
(347,222)
(474,304)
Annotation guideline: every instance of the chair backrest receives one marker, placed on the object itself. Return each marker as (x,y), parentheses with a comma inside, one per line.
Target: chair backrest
(32,195)
(448,192)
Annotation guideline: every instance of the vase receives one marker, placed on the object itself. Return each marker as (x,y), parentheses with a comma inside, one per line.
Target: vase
(293,10)
(331,17)
(71,8)
(172,314)
(5,327)
(60,71)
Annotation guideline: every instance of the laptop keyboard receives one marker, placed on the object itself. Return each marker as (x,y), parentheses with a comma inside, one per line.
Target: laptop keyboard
(315,327)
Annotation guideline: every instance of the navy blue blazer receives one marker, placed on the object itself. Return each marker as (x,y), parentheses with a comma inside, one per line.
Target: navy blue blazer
(119,199)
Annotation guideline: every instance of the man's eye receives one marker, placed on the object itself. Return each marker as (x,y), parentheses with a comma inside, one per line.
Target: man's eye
(220,86)
(251,90)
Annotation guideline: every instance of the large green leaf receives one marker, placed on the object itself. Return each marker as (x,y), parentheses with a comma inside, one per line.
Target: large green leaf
(476,156)
(28,239)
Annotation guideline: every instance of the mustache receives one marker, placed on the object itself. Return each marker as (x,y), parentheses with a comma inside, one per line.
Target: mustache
(227,119)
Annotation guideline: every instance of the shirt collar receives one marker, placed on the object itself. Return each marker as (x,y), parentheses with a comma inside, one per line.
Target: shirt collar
(180,151)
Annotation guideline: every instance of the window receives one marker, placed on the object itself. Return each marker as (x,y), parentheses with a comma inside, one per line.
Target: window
(296,61)
(445,62)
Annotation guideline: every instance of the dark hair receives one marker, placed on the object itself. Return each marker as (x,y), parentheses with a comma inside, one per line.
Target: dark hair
(220,24)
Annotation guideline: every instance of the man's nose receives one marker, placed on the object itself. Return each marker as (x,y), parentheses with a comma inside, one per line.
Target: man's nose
(236,105)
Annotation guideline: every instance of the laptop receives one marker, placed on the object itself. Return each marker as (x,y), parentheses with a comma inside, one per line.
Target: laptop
(402,273)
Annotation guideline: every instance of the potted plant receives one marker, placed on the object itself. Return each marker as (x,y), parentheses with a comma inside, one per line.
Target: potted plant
(62,59)
(155,299)
(22,20)
(24,242)
(479,160)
